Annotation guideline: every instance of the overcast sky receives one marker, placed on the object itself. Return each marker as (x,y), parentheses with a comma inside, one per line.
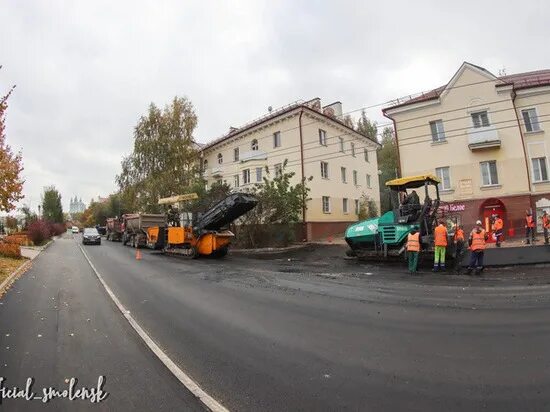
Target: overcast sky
(86,71)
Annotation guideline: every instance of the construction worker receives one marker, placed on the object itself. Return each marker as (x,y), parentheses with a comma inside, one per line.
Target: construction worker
(545,226)
(529,227)
(498,225)
(413,249)
(460,248)
(440,239)
(477,242)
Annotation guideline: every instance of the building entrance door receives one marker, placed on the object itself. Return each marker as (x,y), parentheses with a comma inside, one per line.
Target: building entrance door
(489,208)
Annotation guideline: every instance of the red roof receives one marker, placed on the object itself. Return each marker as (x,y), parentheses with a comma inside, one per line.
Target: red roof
(518,81)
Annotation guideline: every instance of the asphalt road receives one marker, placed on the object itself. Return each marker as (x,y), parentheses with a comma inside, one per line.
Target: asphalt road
(57,322)
(320,332)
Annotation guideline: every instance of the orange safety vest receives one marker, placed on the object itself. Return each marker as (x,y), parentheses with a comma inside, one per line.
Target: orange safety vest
(413,242)
(529,221)
(440,235)
(545,221)
(498,225)
(459,235)
(478,240)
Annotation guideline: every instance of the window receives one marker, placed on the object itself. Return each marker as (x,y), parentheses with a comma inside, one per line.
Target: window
(236,181)
(324,170)
(220,158)
(355,177)
(489,174)
(345,205)
(258,174)
(531,120)
(277,139)
(205,164)
(353,149)
(444,175)
(278,168)
(322,137)
(540,172)
(343,172)
(480,119)
(236,154)
(341,139)
(326,204)
(356,206)
(438,134)
(366,153)
(254,144)
(246,176)
(368,181)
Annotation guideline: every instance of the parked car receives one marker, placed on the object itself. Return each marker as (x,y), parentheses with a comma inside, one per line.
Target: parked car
(91,236)
(101,229)
(74,229)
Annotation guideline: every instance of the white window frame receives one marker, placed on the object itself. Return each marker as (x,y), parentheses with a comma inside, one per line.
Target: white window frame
(254,145)
(322,137)
(352,149)
(534,124)
(538,169)
(259,174)
(488,164)
(342,144)
(345,205)
(325,201)
(369,181)
(355,182)
(324,170)
(438,131)
(357,206)
(236,154)
(220,158)
(236,182)
(343,174)
(366,154)
(479,114)
(276,139)
(442,185)
(205,164)
(246,176)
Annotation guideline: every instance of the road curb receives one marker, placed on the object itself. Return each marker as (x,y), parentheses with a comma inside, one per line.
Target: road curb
(14,275)
(207,401)
(269,250)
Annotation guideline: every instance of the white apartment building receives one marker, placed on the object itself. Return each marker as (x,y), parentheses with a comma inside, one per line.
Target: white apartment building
(315,143)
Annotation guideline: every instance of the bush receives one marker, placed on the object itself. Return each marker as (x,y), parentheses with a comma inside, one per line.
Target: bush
(39,231)
(10,250)
(56,229)
(19,239)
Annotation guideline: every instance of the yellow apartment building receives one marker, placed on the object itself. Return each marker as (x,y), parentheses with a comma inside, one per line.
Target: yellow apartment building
(484,137)
(315,143)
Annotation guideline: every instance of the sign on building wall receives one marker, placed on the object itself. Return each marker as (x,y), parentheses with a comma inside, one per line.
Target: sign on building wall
(465,187)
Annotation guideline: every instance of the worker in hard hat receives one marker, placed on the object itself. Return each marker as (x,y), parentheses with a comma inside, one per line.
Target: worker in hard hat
(477,242)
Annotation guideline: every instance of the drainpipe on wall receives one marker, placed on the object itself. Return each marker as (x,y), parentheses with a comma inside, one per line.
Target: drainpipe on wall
(396,143)
(522,140)
(304,224)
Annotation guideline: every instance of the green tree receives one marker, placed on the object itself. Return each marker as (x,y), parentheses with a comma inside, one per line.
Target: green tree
(164,158)
(367,208)
(388,166)
(11,183)
(52,210)
(366,127)
(280,204)
(30,216)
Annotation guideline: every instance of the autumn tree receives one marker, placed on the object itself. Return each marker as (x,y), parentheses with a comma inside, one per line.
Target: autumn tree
(164,158)
(388,166)
(11,183)
(52,210)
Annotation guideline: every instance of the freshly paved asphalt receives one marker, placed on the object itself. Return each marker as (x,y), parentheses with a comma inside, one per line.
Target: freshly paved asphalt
(318,332)
(56,322)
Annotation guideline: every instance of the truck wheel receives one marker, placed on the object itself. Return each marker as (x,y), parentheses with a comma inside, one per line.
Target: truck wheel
(220,252)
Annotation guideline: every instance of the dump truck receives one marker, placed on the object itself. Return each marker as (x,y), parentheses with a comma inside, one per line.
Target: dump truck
(114,229)
(205,234)
(135,228)
(386,235)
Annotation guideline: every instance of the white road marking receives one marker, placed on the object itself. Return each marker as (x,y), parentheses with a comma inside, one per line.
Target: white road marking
(208,401)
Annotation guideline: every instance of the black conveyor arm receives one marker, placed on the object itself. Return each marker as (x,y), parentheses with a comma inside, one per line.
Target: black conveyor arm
(226,211)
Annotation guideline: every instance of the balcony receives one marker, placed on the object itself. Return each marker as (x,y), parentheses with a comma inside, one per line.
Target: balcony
(217,171)
(480,138)
(253,155)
